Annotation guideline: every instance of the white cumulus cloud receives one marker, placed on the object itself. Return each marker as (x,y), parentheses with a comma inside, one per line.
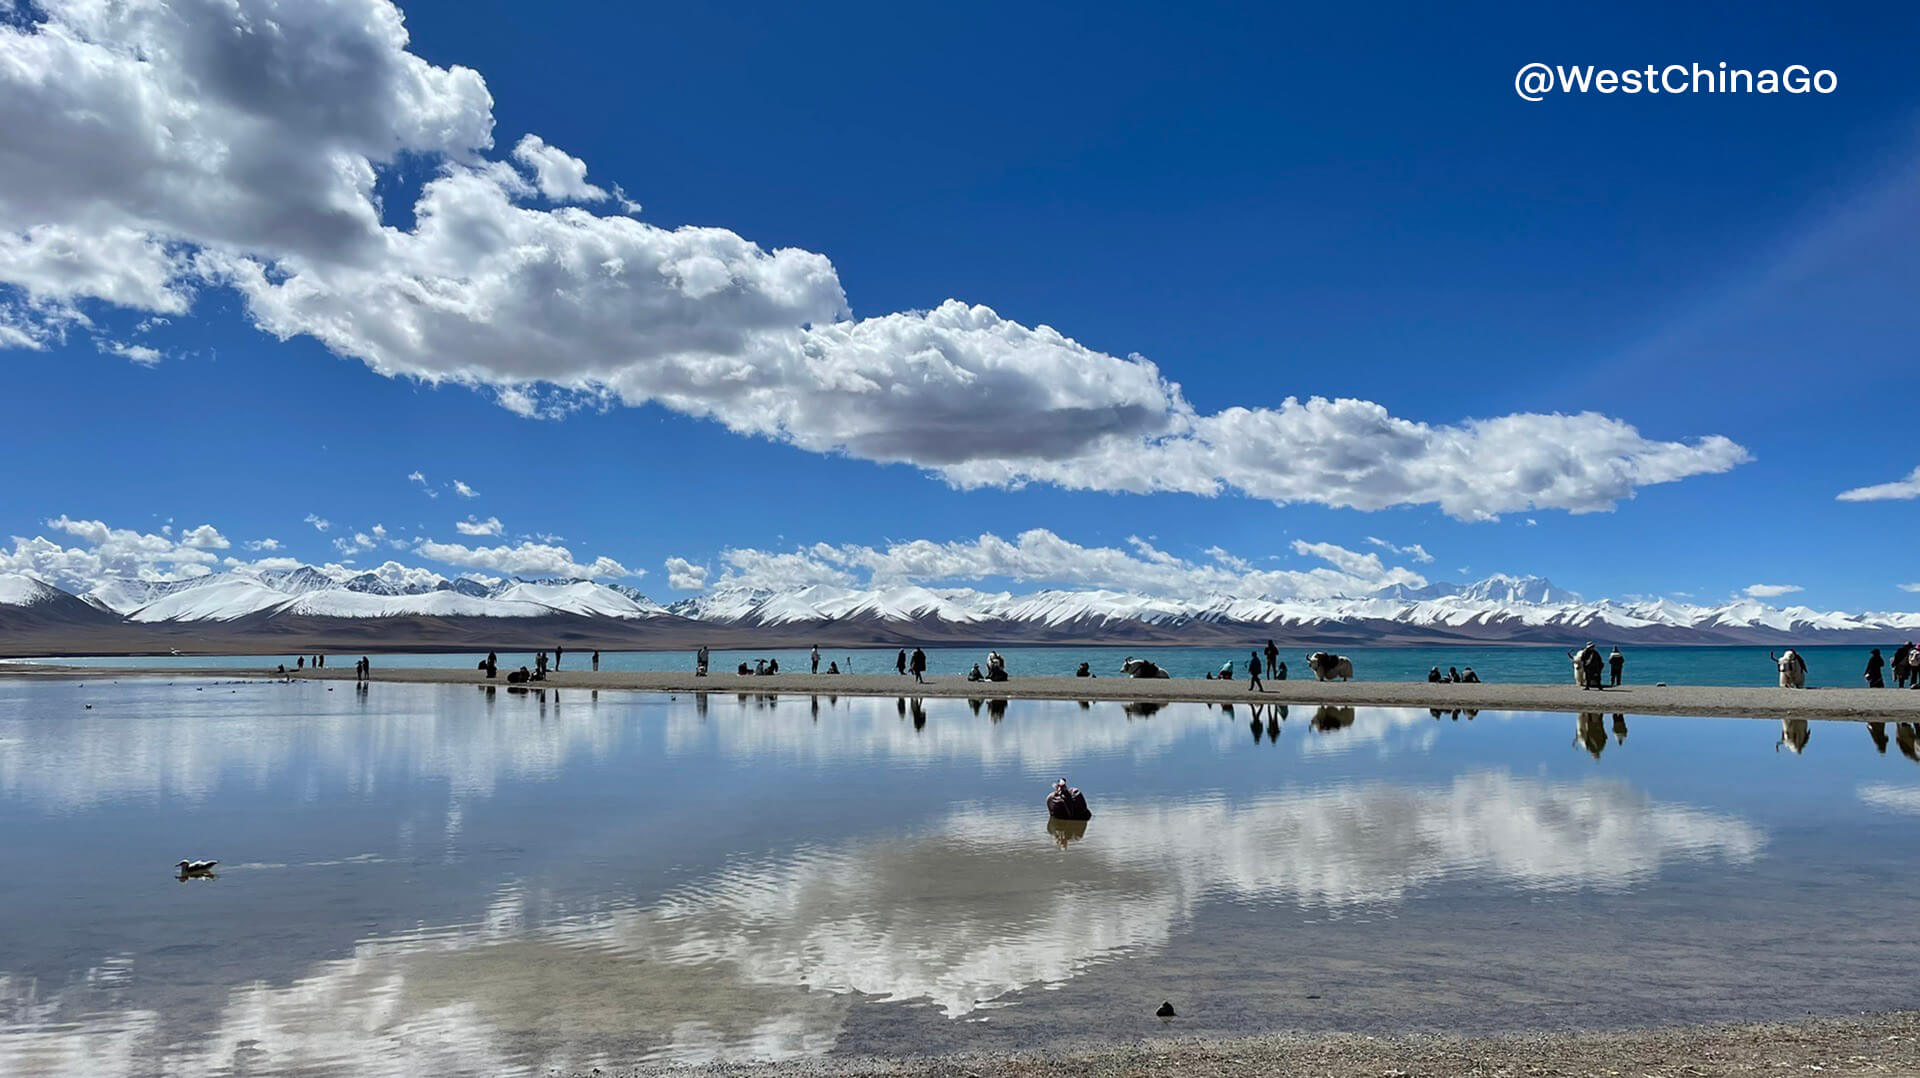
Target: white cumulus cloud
(1039,556)
(1769,591)
(156,151)
(464,490)
(524,559)
(557,174)
(683,575)
(470,526)
(105,553)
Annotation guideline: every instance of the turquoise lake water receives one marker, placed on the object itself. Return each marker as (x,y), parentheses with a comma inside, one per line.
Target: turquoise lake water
(1828,666)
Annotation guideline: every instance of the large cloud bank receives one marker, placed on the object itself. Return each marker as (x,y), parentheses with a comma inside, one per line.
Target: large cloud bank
(154,151)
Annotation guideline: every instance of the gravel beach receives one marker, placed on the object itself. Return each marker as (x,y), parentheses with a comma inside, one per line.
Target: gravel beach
(1881,1044)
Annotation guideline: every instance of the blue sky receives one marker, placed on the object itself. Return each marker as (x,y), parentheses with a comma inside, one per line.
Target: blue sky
(1336,202)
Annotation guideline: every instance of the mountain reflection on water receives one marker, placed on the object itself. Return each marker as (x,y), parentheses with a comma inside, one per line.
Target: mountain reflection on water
(435,880)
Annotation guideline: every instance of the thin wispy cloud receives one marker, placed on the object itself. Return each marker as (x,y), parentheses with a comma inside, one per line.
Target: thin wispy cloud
(319,522)
(1415,551)
(1898,490)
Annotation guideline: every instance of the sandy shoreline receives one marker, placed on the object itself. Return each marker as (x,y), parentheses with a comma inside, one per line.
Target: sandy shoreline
(1859,704)
(1880,1044)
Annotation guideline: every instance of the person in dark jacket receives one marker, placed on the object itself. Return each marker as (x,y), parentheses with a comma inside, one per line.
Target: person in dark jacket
(1433,676)
(900,661)
(1273,660)
(1616,663)
(1875,664)
(1901,671)
(918,664)
(1253,674)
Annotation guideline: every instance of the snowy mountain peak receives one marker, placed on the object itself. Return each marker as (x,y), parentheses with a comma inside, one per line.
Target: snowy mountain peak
(19,589)
(1501,588)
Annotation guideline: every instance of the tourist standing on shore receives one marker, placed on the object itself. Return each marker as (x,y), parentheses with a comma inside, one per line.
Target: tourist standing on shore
(1273,659)
(493,664)
(557,652)
(900,661)
(919,665)
(1253,673)
(596,660)
(1616,663)
(700,662)
(816,658)
(1901,669)
(1874,665)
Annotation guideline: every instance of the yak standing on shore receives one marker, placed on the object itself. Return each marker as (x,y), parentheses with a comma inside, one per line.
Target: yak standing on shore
(1793,669)
(1326,666)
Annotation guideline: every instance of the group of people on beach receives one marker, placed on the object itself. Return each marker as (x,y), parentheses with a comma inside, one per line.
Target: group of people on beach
(1589,667)
(997,669)
(1453,676)
(1906,667)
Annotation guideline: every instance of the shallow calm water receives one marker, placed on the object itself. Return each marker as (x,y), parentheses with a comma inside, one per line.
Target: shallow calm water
(434,879)
(1828,665)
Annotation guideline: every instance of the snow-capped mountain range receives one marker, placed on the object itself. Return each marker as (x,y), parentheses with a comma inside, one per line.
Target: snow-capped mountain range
(412,607)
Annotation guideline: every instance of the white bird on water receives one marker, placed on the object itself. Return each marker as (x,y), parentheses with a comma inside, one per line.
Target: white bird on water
(196,868)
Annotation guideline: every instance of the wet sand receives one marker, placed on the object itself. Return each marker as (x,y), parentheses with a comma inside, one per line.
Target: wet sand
(1885,1044)
(1769,703)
